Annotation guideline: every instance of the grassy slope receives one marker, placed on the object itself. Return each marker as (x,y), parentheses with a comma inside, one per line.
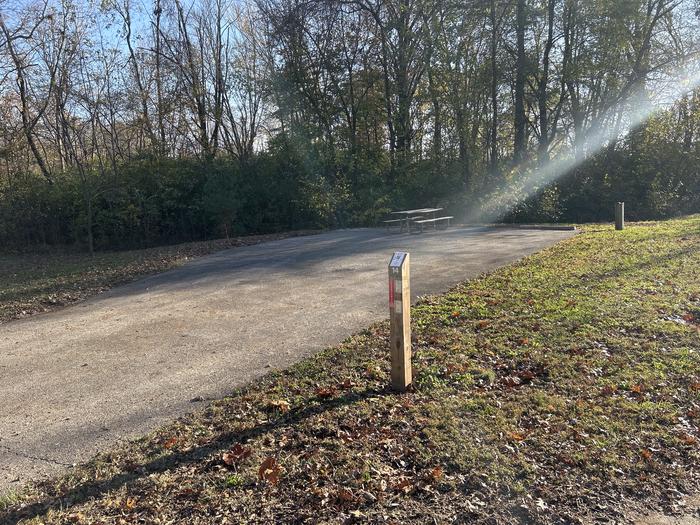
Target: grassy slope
(35,283)
(548,391)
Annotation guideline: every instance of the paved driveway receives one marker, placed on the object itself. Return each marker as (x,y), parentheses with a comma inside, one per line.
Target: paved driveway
(75,381)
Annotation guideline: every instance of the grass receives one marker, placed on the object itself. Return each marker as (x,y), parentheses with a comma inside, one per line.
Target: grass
(562,387)
(8,499)
(40,282)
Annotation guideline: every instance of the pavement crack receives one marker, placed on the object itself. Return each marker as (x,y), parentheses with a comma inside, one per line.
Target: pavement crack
(34,458)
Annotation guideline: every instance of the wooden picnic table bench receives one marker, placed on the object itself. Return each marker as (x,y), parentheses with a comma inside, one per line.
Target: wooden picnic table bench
(417,218)
(401,222)
(407,217)
(435,221)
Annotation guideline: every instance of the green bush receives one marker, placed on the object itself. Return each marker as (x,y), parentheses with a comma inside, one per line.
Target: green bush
(300,183)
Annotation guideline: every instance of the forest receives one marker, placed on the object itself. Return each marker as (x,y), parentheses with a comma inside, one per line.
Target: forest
(132,123)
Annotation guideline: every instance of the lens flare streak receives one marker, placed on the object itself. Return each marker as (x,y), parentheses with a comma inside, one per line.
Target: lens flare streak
(534,178)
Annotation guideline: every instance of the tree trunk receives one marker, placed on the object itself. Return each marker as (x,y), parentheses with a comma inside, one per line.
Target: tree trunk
(91,242)
(159,80)
(543,145)
(464,159)
(493,131)
(437,118)
(520,121)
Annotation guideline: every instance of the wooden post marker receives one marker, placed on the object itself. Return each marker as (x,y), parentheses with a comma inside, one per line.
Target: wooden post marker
(620,216)
(400,314)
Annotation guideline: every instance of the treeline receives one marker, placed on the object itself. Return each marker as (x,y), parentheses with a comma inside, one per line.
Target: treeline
(131,124)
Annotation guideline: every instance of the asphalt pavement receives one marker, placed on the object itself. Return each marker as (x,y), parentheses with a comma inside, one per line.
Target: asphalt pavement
(75,381)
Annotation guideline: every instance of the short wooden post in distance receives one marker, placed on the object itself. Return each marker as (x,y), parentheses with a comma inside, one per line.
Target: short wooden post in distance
(400,315)
(620,216)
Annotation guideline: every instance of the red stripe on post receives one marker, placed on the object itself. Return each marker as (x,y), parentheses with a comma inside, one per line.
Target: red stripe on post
(391,293)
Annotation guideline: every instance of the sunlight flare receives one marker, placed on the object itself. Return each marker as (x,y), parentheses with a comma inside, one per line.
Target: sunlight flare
(529,178)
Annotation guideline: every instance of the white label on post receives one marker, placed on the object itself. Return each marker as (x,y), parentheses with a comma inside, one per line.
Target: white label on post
(397,259)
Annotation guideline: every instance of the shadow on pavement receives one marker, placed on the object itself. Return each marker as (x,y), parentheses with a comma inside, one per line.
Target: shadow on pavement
(93,489)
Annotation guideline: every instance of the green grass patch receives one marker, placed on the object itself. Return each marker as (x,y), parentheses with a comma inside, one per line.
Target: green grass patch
(548,391)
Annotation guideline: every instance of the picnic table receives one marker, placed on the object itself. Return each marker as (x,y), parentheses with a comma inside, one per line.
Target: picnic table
(418,216)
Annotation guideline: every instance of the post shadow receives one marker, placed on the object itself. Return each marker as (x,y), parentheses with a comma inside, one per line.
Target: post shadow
(95,488)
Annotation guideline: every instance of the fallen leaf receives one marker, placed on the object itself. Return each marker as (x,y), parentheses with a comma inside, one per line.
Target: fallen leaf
(236,454)
(188,493)
(404,485)
(526,375)
(373,372)
(512,381)
(608,390)
(325,393)
(567,460)
(279,404)
(516,436)
(454,368)
(436,474)
(346,385)
(269,471)
(637,389)
(170,443)
(688,439)
(482,324)
(344,496)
